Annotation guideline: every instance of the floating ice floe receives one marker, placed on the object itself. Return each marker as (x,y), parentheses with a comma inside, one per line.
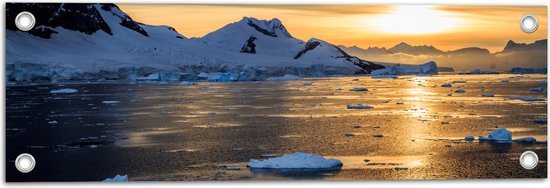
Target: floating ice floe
(540,121)
(211,113)
(232,168)
(296,160)
(349,134)
(521,70)
(117,178)
(357,126)
(384,76)
(500,134)
(459,91)
(52,122)
(308,83)
(401,168)
(487,95)
(469,138)
(359,89)
(286,77)
(338,89)
(526,98)
(526,140)
(537,89)
(187,83)
(478,71)
(378,135)
(64,91)
(359,106)
(505,81)
(110,102)
(446,85)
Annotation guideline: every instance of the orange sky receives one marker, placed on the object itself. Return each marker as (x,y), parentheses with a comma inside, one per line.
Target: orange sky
(446,27)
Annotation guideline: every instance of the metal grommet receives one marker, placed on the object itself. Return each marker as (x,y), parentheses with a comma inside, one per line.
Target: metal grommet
(25,21)
(25,163)
(529,160)
(529,24)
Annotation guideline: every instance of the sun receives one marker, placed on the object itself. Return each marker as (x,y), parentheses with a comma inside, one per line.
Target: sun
(414,19)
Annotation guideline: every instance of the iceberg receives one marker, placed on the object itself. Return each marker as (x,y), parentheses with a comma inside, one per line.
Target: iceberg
(64,91)
(469,138)
(487,95)
(117,178)
(296,160)
(359,89)
(222,77)
(520,70)
(429,68)
(459,91)
(500,134)
(359,106)
(286,77)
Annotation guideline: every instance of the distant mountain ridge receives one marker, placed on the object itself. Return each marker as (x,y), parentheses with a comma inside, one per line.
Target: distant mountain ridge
(513,55)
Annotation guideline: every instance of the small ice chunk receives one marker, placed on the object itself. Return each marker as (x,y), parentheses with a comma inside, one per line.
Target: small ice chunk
(211,113)
(286,77)
(504,81)
(446,85)
(338,89)
(537,89)
(52,122)
(469,138)
(349,134)
(459,91)
(308,83)
(357,126)
(110,102)
(187,83)
(378,135)
(359,106)
(449,94)
(359,89)
(296,160)
(401,168)
(93,146)
(64,91)
(487,95)
(117,178)
(541,121)
(526,139)
(500,134)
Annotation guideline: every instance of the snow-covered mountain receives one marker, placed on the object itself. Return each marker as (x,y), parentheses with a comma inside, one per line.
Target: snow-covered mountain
(270,37)
(513,55)
(99,41)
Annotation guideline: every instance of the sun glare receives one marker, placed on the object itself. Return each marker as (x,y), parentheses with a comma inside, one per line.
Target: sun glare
(414,19)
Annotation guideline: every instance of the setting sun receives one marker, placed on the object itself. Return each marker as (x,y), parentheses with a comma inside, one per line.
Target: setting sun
(414,19)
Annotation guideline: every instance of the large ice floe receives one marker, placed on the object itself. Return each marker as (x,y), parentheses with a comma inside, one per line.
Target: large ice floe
(429,68)
(296,160)
(117,178)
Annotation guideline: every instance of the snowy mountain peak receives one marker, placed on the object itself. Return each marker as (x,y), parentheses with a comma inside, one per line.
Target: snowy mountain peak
(273,27)
(537,45)
(415,50)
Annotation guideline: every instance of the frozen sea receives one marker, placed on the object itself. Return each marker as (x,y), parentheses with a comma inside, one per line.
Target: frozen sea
(176,132)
